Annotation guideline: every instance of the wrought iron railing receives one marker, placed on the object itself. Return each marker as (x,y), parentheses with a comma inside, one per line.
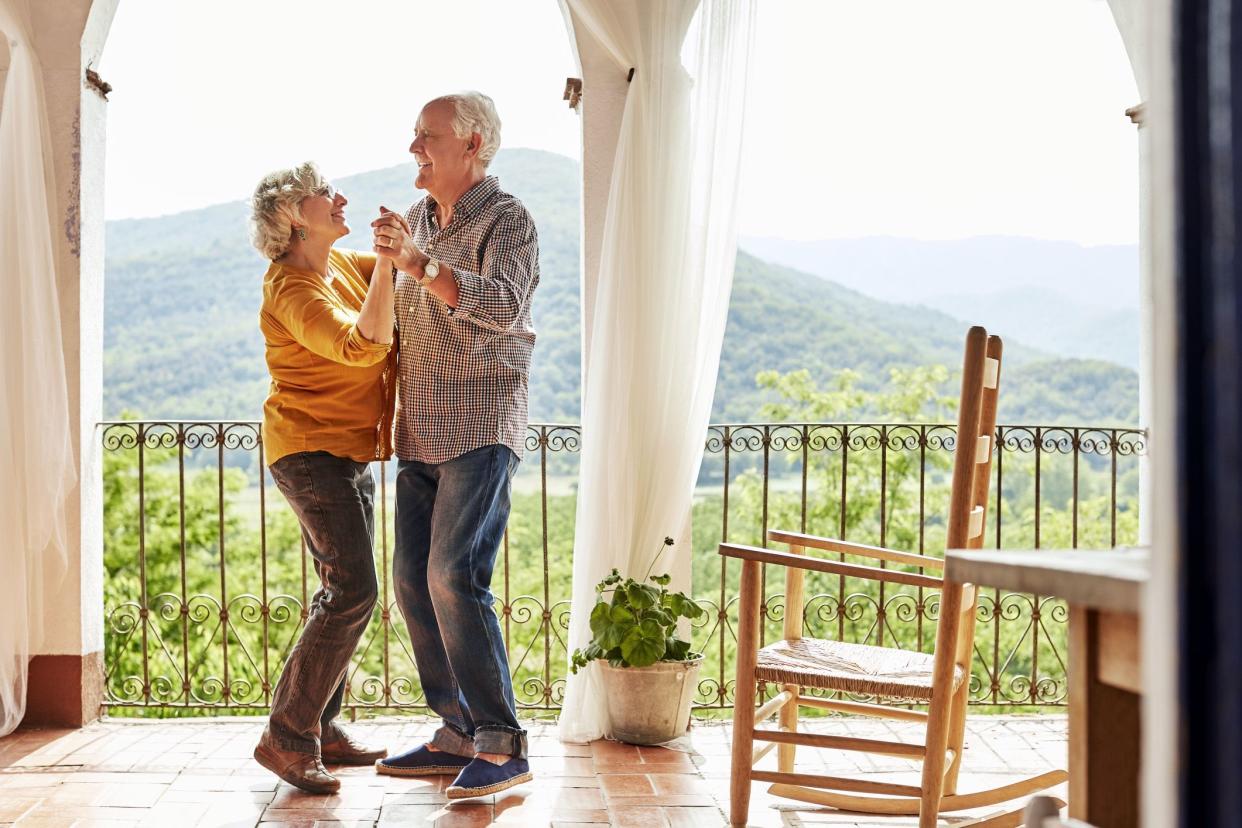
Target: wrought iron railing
(207,580)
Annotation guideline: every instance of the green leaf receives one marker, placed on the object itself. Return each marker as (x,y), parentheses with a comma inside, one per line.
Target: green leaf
(666,618)
(692,610)
(601,617)
(644,644)
(677,650)
(620,622)
(662,580)
(683,606)
(642,596)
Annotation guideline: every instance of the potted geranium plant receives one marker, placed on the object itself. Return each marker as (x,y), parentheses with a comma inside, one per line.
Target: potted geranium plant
(649,672)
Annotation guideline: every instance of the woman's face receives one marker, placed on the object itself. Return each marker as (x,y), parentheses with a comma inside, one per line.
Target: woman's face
(324,213)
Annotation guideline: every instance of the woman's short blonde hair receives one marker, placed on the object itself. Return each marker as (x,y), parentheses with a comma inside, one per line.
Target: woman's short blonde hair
(276,207)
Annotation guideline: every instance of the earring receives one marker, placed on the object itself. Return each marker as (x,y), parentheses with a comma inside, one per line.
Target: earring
(302,233)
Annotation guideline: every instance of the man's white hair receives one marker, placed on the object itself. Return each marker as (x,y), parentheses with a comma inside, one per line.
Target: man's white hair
(277,205)
(475,112)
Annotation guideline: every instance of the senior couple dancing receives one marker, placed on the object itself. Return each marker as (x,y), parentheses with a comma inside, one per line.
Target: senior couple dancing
(434,321)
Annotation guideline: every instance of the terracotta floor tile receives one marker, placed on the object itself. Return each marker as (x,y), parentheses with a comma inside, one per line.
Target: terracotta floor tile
(626,784)
(430,797)
(613,751)
(131,796)
(659,754)
(13,808)
(464,815)
(315,814)
(678,783)
(544,816)
(10,778)
(411,814)
(288,797)
(175,813)
(563,766)
(555,747)
(695,817)
(69,813)
(683,765)
(634,816)
(560,798)
(686,800)
(218,798)
(544,781)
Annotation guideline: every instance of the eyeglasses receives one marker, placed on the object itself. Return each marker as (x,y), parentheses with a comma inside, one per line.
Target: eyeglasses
(327,189)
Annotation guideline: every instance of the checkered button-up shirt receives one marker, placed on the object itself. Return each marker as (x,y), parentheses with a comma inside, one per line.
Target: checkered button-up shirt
(463,372)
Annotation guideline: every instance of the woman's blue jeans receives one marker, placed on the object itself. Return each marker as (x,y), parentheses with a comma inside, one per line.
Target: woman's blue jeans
(333,498)
(450,521)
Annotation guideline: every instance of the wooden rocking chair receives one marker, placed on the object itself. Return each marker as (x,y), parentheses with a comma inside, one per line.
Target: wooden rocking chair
(940,680)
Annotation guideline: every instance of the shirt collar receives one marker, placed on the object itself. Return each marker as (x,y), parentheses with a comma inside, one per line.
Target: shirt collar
(474,198)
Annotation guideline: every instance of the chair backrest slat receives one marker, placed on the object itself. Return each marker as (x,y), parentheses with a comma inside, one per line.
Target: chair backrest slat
(968,500)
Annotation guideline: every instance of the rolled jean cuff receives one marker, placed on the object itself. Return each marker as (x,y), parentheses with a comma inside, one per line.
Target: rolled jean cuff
(498,739)
(451,740)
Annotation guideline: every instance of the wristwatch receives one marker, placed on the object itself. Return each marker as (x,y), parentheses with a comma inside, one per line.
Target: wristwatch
(430,271)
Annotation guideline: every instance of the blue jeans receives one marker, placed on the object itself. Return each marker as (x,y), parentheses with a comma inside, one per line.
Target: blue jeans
(450,520)
(333,498)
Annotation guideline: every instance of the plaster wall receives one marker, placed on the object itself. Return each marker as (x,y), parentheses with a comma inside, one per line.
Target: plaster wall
(68,36)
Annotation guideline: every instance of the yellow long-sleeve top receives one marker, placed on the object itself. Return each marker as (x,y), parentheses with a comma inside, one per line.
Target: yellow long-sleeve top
(332,388)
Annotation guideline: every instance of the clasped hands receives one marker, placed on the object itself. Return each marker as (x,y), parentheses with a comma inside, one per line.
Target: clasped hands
(392,239)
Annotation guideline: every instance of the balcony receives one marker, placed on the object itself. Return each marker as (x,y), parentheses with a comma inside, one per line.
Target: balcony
(207,581)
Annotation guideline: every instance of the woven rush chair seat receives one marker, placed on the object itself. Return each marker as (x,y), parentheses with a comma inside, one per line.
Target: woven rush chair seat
(853,668)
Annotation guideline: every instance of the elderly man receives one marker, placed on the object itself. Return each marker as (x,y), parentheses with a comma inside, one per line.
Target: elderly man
(469,262)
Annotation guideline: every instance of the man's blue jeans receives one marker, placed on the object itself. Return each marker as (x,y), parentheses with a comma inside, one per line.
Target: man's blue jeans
(333,498)
(450,520)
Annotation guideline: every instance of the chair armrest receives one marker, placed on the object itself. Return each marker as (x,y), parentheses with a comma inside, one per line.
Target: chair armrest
(860,549)
(893,576)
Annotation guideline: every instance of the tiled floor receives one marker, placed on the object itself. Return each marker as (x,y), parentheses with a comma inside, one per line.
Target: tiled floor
(200,773)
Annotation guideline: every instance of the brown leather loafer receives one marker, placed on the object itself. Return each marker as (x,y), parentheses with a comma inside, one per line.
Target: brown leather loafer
(344,749)
(301,770)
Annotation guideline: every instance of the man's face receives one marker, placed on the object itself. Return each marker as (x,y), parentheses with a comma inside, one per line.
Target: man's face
(444,160)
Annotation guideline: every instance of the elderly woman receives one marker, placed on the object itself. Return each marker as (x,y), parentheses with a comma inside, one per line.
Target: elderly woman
(327,322)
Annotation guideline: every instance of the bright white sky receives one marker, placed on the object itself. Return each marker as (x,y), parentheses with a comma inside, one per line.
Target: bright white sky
(930,120)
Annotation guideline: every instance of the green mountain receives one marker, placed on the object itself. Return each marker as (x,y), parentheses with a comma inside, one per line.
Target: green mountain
(183,292)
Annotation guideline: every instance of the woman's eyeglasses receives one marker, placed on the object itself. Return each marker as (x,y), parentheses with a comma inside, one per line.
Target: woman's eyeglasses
(327,189)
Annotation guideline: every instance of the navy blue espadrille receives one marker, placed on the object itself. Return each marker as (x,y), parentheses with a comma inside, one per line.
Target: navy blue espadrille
(422,762)
(481,778)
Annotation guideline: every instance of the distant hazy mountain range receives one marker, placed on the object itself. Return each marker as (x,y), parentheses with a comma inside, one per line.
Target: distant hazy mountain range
(1059,297)
(183,292)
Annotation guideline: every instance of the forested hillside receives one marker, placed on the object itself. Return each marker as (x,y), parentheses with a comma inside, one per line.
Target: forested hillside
(183,291)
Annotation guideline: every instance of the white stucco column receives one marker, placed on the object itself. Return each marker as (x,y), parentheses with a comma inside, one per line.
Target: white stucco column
(1132,21)
(66,671)
(604,89)
(1147,29)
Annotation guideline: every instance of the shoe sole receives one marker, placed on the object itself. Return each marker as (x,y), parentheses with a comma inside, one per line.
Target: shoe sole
(426,770)
(455,792)
(269,761)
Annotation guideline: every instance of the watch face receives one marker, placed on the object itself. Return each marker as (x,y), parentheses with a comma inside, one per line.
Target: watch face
(432,269)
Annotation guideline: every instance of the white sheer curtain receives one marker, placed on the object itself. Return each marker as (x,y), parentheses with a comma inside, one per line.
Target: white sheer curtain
(665,276)
(36,457)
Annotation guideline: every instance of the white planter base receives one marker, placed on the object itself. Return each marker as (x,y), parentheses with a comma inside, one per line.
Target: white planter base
(650,705)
